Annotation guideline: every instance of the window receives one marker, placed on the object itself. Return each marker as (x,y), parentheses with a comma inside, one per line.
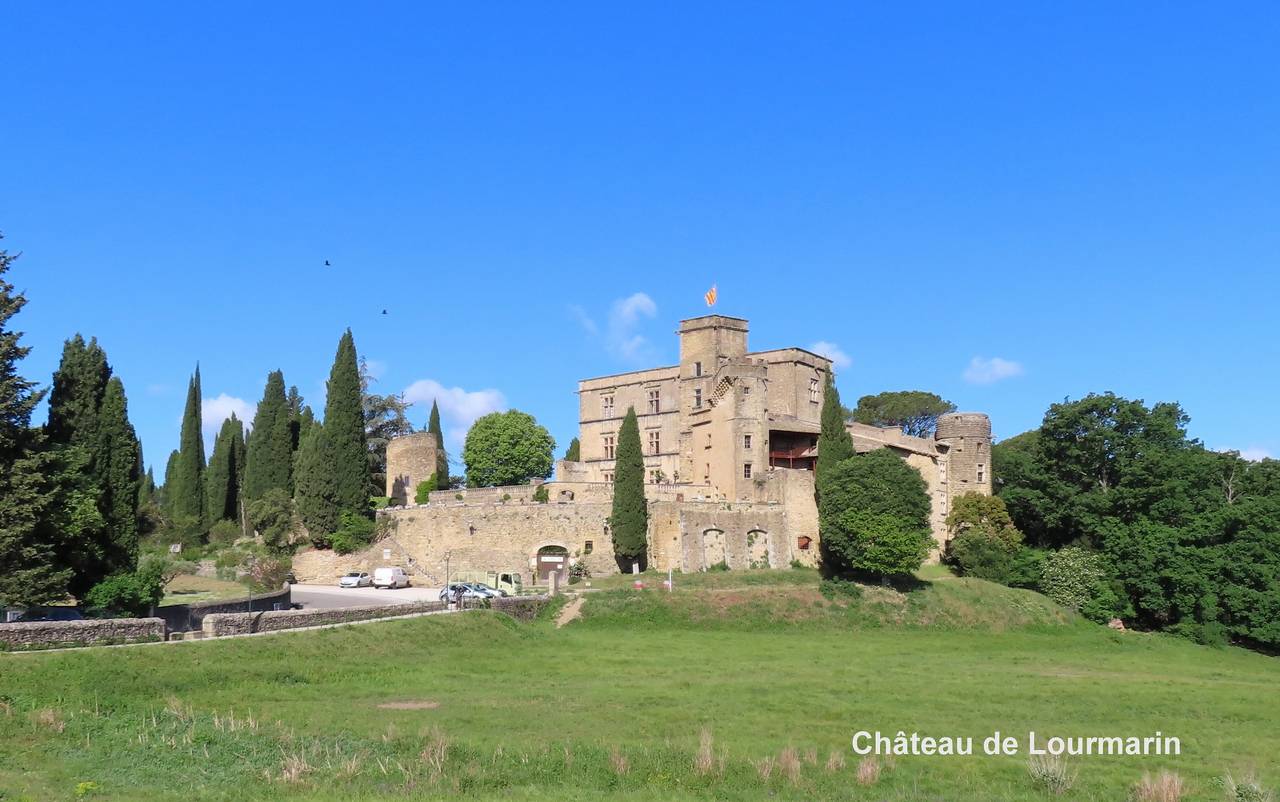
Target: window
(608,446)
(606,406)
(803,542)
(655,477)
(697,368)
(706,472)
(655,443)
(708,439)
(654,401)
(746,442)
(815,391)
(746,470)
(608,476)
(697,397)
(981,472)
(587,547)
(746,389)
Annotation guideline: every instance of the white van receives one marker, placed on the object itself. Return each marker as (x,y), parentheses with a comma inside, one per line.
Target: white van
(390,578)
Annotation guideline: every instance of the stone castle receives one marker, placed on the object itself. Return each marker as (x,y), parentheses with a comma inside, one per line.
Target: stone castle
(730,441)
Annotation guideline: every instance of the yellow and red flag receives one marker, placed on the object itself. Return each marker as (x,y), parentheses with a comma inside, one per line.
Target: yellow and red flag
(711,296)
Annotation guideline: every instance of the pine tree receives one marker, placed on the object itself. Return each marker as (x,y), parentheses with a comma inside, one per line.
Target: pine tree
(834,442)
(186,496)
(574,452)
(442,457)
(269,458)
(629,522)
(79,385)
(300,416)
(316,493)
(225,473)
(29,569)
(118,466)
(170,473)
(344,430)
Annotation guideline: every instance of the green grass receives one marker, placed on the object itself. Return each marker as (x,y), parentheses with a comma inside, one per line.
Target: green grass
(189,588)
(760,660)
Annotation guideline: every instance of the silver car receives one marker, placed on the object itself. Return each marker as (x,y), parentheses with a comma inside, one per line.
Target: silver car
(355,579)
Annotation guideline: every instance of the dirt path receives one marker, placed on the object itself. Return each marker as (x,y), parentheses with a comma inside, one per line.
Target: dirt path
(569,612)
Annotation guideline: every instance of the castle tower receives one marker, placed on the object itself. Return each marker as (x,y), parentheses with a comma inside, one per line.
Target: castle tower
(967,461)
(410,459)
(706,344)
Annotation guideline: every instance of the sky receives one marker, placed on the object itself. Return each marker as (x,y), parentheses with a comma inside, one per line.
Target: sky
(1005,204)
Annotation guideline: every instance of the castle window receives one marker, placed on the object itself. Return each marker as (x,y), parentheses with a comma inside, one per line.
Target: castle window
(981,472)
(655,477)
(587,546)
(654,401)
(706,473)
(708,439)
(697,368)
(608,476)
(697,397)
(655,442)
(815,391)
(746,470)
(746,389)
(803,542)
(609,446)
(606,406)
(746,442)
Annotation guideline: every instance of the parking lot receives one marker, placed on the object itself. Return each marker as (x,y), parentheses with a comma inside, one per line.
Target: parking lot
(317,596)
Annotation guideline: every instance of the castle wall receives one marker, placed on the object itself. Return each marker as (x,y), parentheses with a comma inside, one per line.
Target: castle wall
(410,459)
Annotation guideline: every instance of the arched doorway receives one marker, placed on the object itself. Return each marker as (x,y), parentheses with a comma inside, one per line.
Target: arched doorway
(552,560)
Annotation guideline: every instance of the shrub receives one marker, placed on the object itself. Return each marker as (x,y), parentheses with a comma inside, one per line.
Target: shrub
(1166,786)
(1246,789)
(832,588)
(224,533)
(272,518)
(873,516)
(268,573)
(355,531)
(423,492)
(541,495)
(720,566)
(132,594)
(1077,579)
(578,572)
(984,542)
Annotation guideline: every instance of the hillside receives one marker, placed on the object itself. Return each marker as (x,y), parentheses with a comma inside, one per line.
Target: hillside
(736,687)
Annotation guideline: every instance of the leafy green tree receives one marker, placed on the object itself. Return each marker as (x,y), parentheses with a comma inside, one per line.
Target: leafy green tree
(130,593)
(272,518)
(507,448)
(186,495)
(984,542)
(225,473)
(30,570)
(915,412)
(835,445)
(873,516)
(316,486)
(385,418)
(270,448)
(344,430)
(629,520)
(442,457)
(574,452)
(354,532)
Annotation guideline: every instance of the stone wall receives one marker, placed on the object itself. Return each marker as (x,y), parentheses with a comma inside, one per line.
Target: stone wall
(521,608)
(50,634)
(188,617)
(217,625)
(410,459)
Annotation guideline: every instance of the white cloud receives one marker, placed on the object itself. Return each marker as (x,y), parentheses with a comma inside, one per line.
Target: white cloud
(833,352)
(623,341)
(213,411)
(459,408)
(584,320)
(1256,453)
(988,371)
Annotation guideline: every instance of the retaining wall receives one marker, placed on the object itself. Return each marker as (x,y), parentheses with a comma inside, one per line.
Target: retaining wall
(219,624)
(188,617)
(50,634)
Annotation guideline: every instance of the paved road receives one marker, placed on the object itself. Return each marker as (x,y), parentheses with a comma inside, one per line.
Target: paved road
(315,596)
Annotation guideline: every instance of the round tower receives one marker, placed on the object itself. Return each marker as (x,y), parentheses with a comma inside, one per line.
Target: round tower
(410,459)
(967,437)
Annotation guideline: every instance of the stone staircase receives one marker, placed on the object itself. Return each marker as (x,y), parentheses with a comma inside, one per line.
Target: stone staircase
(411,566)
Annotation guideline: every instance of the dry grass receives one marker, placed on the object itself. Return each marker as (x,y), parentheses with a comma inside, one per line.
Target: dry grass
(618,762)
(1051,773)
(49,719)
(294,767)
(765,767)
(435,752)
(835,761)
(1167,786)
(1246,789)
(789,764)
(868,771)
(704,762)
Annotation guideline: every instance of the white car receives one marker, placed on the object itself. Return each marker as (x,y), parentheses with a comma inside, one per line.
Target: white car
(390,578)
(355,579)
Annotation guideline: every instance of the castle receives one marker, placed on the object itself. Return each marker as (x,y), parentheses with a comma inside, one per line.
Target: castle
(730,441)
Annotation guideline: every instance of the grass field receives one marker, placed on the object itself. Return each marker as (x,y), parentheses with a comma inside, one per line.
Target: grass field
(739,686)
(189,588)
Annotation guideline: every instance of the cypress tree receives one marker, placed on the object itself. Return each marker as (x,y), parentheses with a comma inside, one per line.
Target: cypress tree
(118,466)
(300,416)
(186,496)
(224,474)
(29,569)
(574,452)
(269,454)
(344,429)
(834,442)
(629,522)
(442,458)
(170,472)
(316,494)
(79,385)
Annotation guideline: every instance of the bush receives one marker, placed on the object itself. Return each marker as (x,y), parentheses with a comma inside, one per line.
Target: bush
(268,573)
(873,516)
(272,518)
(422,494)
(541,495)
(984,542)
(355,531)
(1077,579)
(131,594)
(224,533)
(832,588)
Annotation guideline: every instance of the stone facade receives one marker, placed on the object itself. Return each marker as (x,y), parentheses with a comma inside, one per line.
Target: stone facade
(54,634)
(410,459)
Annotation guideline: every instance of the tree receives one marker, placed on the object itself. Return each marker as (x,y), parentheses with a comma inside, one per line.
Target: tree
(272,518)
(835,445)
(79,384)
(186,495)
(873,516)
(442,457)
(225,472)
(629,520)
(385,418)
(118,466)
(915,412)
(984,542)
(344,430)
(316,485)
(300,416)
(30,572)
(574,452)
(507,448)
(270,447)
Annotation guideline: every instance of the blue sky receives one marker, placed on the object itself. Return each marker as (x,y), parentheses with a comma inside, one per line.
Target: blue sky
(1004,204)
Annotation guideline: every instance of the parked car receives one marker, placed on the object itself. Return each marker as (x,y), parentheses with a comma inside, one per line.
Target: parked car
(390,578)
(485,590)
(50,614)
(450,593)
(355,579)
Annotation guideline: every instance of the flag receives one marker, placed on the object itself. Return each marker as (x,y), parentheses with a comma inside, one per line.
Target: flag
(711,296)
